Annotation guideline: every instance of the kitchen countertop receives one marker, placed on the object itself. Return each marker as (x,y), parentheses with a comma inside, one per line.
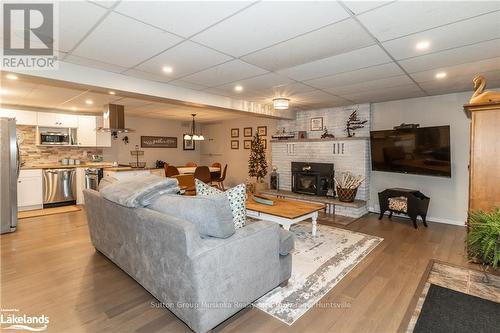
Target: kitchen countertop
(125,168)
(67,166)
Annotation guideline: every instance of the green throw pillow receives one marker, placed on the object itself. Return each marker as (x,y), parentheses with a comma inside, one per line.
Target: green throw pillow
(237,200)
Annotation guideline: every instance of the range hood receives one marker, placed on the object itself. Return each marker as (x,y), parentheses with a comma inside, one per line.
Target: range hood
(114,119)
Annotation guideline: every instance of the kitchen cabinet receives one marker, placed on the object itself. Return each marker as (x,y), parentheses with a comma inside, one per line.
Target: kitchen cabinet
(46,119)
(86,134)
(22,117)
(80,185)
(103,138)
(30,190)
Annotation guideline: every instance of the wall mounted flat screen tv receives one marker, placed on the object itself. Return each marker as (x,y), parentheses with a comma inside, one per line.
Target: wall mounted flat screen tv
(421,151)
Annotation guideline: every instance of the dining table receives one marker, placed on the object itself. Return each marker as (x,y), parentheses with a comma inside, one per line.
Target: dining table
(190,170)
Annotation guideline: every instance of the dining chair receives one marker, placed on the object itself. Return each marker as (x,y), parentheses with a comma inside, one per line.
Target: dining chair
(203,173)
(216,175)
(171,171)
(186,182)
(191,164)
(220,181)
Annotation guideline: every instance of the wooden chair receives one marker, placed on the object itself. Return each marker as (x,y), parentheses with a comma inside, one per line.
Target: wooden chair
(186,182)
(220,181)
(203,173)
(216,175)
(191,164)
(171,171)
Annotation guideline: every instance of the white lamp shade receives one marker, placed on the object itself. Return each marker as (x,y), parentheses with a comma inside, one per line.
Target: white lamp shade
(281,103)
(187,137)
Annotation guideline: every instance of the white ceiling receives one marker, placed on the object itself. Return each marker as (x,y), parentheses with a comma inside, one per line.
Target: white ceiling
(28,93)
(316,53)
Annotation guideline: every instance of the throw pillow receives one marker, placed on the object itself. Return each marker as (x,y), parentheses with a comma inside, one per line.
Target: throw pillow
(237,200)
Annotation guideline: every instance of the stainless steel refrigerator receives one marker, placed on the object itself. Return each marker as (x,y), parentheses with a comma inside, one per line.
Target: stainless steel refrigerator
(10,162)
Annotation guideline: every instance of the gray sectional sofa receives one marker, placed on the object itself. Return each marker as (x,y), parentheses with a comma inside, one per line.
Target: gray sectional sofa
(203,281)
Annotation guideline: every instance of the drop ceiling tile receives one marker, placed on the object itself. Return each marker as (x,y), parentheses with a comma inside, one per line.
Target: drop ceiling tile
(93,63)
(387,94)
(357,76)
(260,83)
(124,41)
(406,17)
(147,76)
(468,69)
(345,62)
(267,23)
(460,83)
(188,85)
(470,53)
(334,39)
(185,58)
(99,100)
(390,82)
(482,28)
(358,7)
(103,3)
(315,96)
(184,18)
(16,89)
(76,18)
(227,72)
(52,96)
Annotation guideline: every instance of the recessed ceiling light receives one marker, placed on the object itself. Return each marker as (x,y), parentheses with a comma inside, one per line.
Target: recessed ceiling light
(167,69)
(111,92)
(11,76)
(440,75)
(73,108)
(89,102)
(423,45)
(238,88)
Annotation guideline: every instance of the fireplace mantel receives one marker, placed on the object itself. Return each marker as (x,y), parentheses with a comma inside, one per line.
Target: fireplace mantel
(321,140)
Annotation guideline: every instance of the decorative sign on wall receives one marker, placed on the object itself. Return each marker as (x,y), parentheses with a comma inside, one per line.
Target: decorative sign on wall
(158,142)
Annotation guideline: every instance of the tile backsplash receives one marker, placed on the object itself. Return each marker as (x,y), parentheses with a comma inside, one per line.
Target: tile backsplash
(32,154)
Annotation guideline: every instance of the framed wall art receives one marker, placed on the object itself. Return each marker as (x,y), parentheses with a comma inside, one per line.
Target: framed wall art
(247,144)
(235,132)
(188,144)
(262,130)
(235,144)
(317,124)
(247,132)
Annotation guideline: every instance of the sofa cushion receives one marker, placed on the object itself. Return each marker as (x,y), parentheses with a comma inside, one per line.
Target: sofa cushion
(106,181)
(286,242)
(211,215)
(237,200)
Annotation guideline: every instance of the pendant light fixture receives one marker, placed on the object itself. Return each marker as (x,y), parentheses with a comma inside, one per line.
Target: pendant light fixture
(281,103)
(193,135)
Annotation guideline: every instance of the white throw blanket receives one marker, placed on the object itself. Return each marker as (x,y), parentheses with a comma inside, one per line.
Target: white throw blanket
(139,191)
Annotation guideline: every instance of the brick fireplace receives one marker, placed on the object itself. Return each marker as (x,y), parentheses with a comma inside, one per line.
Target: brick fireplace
(312,178)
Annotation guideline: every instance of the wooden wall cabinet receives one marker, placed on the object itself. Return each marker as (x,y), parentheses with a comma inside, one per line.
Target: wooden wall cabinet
(484,168)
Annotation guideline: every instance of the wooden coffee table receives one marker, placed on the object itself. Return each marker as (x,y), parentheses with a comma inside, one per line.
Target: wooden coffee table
(285,212)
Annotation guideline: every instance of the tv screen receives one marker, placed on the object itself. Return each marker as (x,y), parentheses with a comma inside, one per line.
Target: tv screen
(422,151)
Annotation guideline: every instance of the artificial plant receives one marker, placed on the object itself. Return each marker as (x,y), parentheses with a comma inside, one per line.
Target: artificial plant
(483,239)
(257,164)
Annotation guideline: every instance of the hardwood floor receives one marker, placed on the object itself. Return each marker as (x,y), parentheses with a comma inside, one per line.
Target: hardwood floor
(50,267)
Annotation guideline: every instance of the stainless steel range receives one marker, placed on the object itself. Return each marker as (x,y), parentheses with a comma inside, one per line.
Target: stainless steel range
(59,187)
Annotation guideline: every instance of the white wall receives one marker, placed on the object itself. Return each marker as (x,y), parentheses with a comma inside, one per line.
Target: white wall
(120,151)
(448,195)
(218,146)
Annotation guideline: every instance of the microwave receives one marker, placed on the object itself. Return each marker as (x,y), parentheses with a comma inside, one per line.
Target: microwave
(54,138)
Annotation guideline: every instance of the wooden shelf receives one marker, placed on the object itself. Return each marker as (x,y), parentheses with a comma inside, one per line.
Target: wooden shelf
(322,140)
(314,198)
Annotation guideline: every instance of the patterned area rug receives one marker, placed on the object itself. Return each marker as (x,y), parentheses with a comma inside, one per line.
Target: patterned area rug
(318,265)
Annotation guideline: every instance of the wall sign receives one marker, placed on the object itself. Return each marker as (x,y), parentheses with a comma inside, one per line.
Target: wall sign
(158,142)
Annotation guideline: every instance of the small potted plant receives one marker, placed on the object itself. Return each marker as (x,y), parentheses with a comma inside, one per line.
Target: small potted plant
(483,238)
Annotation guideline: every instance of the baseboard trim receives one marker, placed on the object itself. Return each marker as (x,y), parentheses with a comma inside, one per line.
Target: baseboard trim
(429,218)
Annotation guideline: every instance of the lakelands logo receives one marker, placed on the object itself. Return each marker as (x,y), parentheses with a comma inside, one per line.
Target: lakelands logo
(29,39)
(10,319)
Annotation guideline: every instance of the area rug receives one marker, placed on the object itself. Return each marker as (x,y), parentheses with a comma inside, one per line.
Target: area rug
(319,263)
(455,299)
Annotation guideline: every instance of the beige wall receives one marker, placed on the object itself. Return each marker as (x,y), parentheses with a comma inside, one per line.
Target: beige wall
(218,146)
(448,195)
(120,152)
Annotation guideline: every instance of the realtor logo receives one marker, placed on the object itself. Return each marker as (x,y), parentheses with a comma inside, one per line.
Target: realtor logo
(29,36)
